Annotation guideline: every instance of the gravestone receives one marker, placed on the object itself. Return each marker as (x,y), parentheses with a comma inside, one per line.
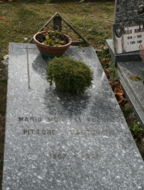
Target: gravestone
(57,141)
(128,34)
(128,10)
(134,90)
(128,30)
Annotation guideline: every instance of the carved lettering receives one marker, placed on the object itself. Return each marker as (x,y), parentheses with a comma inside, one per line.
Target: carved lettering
(39,119)
(88,131)
(77,119)
(59,156)
(25,131)
(49,132)
(90,156)
(93,119)
(56,119)
(20,118)
(43,132)
(83,132)
(78,133)
(98,132)
(50,119)
(72,132)
(32,131)
(88,119)
(26,119)
(31,118)
(53,132)
(39,132)
(92,132)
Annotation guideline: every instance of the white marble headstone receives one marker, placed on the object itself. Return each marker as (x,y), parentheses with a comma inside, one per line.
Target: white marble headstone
(128,27)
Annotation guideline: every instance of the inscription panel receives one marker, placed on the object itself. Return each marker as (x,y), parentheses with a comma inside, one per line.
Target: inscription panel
(128,36)
(60,142)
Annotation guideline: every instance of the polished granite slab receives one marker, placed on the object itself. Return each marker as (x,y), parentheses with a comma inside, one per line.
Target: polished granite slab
(57,141)
(133,89)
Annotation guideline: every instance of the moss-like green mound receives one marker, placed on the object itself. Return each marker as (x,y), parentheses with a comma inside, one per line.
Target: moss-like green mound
(69,75)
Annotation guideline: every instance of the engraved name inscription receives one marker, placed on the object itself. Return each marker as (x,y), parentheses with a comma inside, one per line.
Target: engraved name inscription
(38,132)
(57,119)
(92,132)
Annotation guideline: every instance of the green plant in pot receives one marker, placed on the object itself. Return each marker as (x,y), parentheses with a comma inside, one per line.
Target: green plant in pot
(69,75)
(51,43)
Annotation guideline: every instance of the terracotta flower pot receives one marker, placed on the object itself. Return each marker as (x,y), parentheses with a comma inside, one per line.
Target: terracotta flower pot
(50,51)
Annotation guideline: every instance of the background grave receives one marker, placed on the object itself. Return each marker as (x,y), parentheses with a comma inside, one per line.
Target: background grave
(128,30)
(134,89)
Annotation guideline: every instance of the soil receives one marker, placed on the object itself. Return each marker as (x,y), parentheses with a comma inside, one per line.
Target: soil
(62,40)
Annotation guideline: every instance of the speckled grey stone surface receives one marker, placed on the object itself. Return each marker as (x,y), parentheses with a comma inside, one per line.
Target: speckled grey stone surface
(58,142)
(123,57)
(127,10)
(133,89)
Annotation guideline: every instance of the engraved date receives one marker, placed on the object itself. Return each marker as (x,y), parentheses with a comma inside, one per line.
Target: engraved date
(58,156)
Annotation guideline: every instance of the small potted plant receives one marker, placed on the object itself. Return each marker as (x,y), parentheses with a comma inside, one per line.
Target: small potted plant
(69,75)
(51,43)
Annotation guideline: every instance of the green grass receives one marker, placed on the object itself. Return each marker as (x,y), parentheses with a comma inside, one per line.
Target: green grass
(25,19)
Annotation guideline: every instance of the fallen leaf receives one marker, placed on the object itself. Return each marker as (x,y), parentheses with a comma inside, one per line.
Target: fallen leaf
(1,17)
(103,61)
(118,94)
(127,105)
(113,83)
(120,100)
(118,90)
(1,1)
(10,0)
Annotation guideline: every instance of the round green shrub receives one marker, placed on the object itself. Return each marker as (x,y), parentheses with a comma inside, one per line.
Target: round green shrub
(69,75)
